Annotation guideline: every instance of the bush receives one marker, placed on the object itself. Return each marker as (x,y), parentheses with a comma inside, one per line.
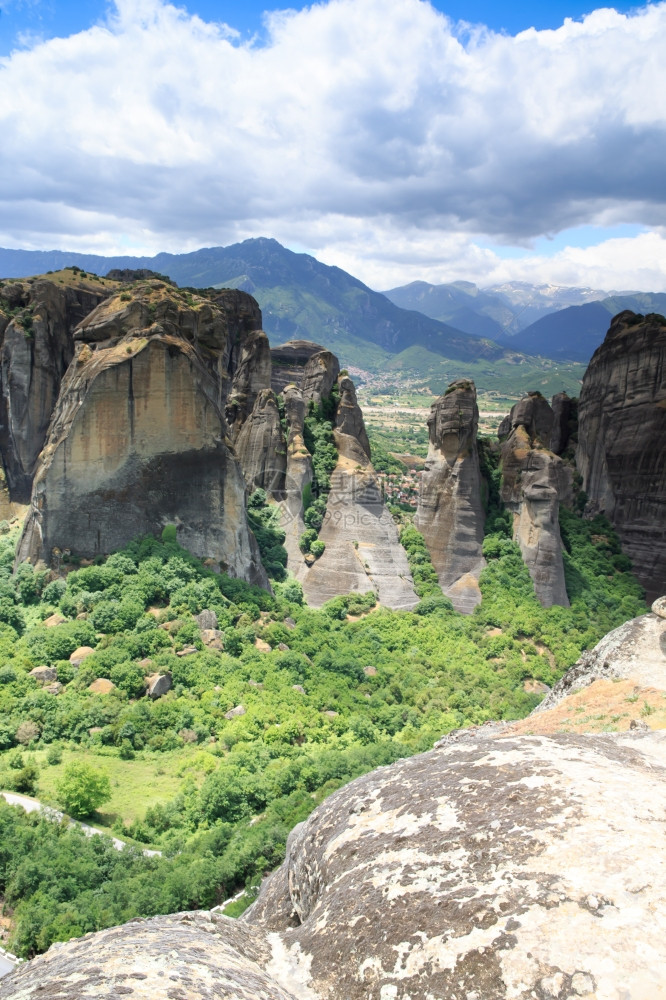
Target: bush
(82,789)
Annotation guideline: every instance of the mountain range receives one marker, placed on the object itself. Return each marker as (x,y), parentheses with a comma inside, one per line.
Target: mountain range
(301,298)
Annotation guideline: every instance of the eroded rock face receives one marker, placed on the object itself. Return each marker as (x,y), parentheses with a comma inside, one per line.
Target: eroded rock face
(450,513)
(261,447)
(363,552)
(534,482)
(139,438)
(487,867)
(37,320)
(306,365)
(298,475)
(252,376)
(622,429)
(635,651)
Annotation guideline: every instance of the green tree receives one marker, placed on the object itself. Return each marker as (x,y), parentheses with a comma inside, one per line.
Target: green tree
(82,789)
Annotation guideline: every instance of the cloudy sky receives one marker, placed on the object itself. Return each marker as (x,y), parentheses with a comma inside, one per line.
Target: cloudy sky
(389,137)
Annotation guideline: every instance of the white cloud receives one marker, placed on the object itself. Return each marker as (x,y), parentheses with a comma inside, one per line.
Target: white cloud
(367,130)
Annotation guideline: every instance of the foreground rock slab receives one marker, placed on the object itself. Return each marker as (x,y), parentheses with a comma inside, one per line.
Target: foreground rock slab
(498,868)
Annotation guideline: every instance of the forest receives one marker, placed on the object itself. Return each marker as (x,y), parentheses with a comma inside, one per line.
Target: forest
(252,735)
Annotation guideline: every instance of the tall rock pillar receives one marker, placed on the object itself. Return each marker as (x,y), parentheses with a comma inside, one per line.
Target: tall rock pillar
(450,513)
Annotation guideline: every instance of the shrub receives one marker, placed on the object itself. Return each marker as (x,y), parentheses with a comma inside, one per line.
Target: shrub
(82,789)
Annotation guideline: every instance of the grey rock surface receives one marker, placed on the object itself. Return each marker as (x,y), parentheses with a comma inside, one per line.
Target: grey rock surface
(157,685)
(534,482)
(635,650)
(450,513)
(188,956)
(621,451)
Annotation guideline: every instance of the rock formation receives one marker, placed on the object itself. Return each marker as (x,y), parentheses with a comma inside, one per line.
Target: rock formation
(486,868)
(261,447)
(306,365)
(635,651)
(621,451)
(37,319)
(363,552)
(139,438)
(565,411)
(298,476)
(534,482)
(450,513)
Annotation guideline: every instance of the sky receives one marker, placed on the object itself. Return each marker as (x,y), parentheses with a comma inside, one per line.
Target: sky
(398,139)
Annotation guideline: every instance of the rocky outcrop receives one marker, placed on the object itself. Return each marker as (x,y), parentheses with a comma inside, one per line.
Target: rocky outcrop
(450,512)
(251,376)
(363,552)
(298,476)
(565,410)
(534,482)
(261,447)
(37,320)
(306,365)
(486,868)
(139,437)
(622,429)
(634,651)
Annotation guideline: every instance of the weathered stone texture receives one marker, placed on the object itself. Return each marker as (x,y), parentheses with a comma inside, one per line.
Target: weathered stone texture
(534,482)
(450,512)
(621,451)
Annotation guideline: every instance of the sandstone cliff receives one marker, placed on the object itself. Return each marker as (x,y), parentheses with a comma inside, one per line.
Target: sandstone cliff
(486,868)
(37,319)
(621,451)
(139,437)
(363,552)
(450,513)
(534,482)
(309,366)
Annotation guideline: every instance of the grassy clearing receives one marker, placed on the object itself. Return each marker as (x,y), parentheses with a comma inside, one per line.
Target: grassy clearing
(135,784)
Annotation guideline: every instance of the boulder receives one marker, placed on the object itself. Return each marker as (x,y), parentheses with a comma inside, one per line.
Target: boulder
(80,654)
(56,688)
(44,674)
(621,434)
(262,646)
(102,686)
(157,685)
(53,620)
(206,619)
(298,687)
(450,513)
(213,638)
(187,651)
(233,713)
